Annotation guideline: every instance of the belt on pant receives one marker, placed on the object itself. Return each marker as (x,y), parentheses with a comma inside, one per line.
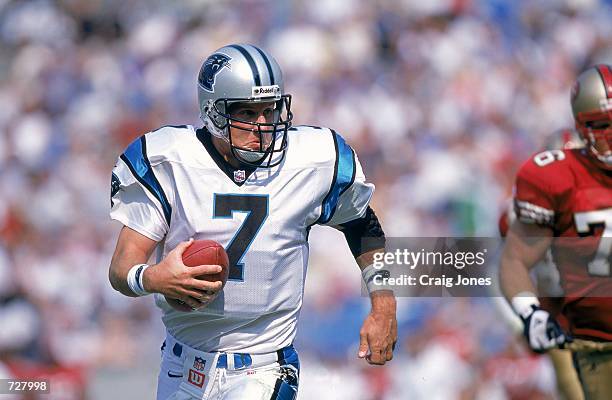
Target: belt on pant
(239,361)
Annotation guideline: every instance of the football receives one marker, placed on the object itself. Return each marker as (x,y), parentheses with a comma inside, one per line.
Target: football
(207,252)
(204,252)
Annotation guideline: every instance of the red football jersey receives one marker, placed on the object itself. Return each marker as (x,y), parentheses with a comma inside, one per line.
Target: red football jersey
(566,191)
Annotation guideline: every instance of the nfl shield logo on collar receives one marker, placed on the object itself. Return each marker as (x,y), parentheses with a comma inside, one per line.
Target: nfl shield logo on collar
(199,364)
(239,175)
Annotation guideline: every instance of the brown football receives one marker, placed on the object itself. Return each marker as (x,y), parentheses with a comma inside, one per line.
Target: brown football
(204,252)
(207,252)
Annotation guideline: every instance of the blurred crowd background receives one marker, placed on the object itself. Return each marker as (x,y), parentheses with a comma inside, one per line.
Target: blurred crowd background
(442,99)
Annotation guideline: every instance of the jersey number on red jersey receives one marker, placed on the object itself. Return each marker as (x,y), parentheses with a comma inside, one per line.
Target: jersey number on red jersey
(586,223)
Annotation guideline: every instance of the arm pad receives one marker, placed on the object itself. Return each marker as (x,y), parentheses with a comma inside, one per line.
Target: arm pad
(367,227)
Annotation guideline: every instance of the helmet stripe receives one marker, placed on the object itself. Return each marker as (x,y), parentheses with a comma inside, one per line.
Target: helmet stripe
(606,76)
(251,62)
(268,65)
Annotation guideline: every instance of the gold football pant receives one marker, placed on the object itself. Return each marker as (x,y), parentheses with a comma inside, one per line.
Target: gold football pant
(568,383)
(593,362)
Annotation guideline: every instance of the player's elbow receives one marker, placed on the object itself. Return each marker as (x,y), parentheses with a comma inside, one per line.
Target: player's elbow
(113,278)
(117,280)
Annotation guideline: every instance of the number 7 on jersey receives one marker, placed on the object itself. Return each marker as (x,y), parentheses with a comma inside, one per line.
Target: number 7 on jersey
(256,207)
(585,222)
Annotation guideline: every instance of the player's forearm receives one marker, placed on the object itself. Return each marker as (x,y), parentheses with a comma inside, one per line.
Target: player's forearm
(367,258)
(514,275)
(132,249)
(525,246)
(121,264)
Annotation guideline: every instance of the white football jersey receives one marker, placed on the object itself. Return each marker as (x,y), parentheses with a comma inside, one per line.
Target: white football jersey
(171,184)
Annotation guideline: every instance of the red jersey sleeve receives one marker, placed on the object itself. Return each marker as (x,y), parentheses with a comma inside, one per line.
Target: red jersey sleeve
(540,183)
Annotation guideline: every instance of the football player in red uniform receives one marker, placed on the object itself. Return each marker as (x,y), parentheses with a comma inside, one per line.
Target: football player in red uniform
(546,274)
(563,202)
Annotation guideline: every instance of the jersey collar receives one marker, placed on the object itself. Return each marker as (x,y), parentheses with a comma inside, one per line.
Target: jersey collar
(237,175)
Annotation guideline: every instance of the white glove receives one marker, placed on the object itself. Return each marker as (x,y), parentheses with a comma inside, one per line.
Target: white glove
(541,330)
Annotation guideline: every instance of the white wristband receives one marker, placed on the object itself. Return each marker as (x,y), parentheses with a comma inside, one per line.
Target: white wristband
(134,279)
(373,278)
(523,304)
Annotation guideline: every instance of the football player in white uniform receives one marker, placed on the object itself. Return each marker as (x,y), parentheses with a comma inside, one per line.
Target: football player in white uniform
(253,182)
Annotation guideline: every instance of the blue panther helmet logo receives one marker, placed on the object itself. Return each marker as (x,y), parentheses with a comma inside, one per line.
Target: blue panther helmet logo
(212,66)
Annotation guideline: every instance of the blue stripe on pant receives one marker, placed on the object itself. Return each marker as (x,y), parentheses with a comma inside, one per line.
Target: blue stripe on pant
(287,386)
(284,391)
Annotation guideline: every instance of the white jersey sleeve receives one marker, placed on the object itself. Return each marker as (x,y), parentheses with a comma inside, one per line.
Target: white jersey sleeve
(137,198)
(349,193)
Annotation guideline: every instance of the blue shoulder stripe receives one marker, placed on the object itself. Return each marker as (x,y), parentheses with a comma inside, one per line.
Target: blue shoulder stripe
(344,176)
(135,157)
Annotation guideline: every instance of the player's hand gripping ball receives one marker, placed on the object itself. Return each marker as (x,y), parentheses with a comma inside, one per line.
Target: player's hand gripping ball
(204,252)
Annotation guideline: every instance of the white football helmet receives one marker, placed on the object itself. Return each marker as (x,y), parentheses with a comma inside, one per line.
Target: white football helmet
(243,73)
